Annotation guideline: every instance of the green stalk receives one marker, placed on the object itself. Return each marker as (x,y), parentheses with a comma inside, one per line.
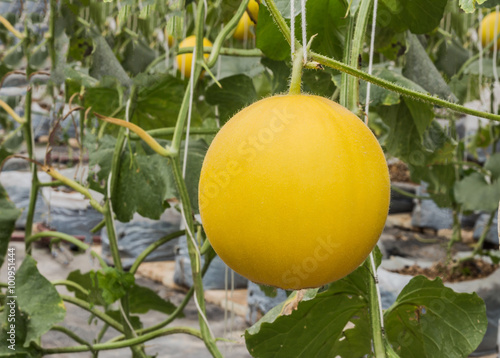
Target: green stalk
(194,258)
(51,183)
(137,350)
(226,31)
(28,136)
(479,245)
(356,48)
(99,314)
(30,239)
(73,185)
(176,312)
(68,283)
(419,96)
(344,78)
(181,186)
(339,66)
(183,112)
(71,335)
(122,344)
(163,132)
(375,313)
(296,81)
(142,256)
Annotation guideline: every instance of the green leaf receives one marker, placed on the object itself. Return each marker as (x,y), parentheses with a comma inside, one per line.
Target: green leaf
(268,37)
(493,165)
(196,153)
(328,20)
(281,73)
(407,122)
(100,153)
(8,216)
(430,320)
(469,6)
(105,63)
(142,299)
(419,17)
(269,291)
(236,93)
(89,282)
(486,3)
(319,83)
(420,69)
(451,56)
(159,102)
(440,178)
(379,95)
(475,193)
(474,68)
(103,100)
(37,315)
(114,283)
(137,56)
(143,186)
(318,327)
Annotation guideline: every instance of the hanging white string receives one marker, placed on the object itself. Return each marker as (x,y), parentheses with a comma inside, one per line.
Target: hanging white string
(370,61)
(480,45)
(190,109)
(190,235)
(304,30)
(367,108)
(495,72)
(292,26)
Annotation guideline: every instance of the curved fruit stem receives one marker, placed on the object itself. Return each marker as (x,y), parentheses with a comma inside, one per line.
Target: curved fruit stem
(296,80)
(138,131)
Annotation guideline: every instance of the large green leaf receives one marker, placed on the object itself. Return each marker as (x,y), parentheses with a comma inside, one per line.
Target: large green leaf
(158,103)
(8,216)
(146,180)
(142,299)
(39,306)
(105,63)
(237,92)
(318,327)
(268,37)
(328,20)
(419,17)
(475,193)
(430,320)
(143,186)
(420,69)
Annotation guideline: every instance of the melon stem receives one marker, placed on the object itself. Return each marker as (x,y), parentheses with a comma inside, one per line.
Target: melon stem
(296,80)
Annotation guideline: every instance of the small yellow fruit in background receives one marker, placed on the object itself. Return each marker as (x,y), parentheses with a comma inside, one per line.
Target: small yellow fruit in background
(487,28)
(294,192)
(253,8)
(184,61)
(245,28)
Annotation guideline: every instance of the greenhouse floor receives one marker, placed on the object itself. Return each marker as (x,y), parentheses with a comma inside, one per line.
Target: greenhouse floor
(174,346)
(226,311)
